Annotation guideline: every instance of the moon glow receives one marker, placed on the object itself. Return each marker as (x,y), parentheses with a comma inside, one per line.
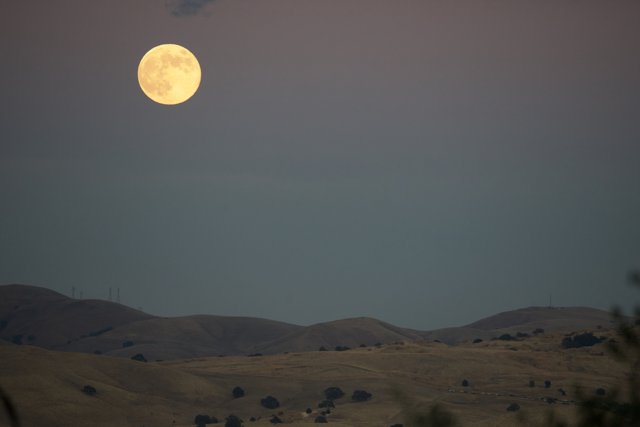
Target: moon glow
(169,74)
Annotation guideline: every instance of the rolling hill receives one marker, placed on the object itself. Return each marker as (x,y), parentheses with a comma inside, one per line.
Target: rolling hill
(39,316)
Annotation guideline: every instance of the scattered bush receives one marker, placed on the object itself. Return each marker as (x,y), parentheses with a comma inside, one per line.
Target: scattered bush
(581,340)
(547,384)
(237,392)
(309,410)
(326,404)
(360,396)
(465,383)
(513,407)
(139,357)
(506,337)
(254,355)
(363,345)
(600,391)
(322,348)
(17,339)
(550,400)
(333,393)
(537,331)
(233,421)
(320,419)
(342,348)
(562,392)
(89,390)
(127,343)
(252,419)
(397,425)
(477,340)
(201,420)
(31,338)
(275,420)
(532,383)
(522,335)
(270,402)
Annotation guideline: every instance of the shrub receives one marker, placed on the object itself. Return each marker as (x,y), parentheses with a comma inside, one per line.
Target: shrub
(309,410)
(233,421)
(513,407)
(363,345)
(270,402)
(532,383)
(465,383)
(326,404)
(506,337)
(201,420)
(360,396)
(537,331)
(139,357)
(562,392)
(547,384)
(581,340)
(127,343)
(522,335)
(477,340)
(600,391)
(333,393)
(89,390)
(320,419)
(322,348)
(342,348)
(397,425)
(275,420)
(17,339)
(237,392)
(252,419)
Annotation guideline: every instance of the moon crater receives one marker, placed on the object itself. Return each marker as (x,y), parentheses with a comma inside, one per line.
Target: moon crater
(169,74)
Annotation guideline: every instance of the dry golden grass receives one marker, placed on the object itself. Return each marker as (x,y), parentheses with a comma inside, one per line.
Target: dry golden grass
(46,385)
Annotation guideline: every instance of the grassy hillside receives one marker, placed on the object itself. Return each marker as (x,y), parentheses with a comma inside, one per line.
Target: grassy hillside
(46,385)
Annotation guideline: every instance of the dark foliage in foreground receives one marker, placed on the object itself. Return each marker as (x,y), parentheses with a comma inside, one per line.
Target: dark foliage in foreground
(10,409)
(275,420)
(320,419)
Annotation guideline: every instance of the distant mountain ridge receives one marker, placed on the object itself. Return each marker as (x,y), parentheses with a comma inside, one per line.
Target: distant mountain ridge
(42,317)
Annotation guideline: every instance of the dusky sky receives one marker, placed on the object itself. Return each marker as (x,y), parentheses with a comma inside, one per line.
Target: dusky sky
(423,162)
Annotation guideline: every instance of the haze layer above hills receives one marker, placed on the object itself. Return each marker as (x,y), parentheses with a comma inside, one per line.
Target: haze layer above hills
(42,317)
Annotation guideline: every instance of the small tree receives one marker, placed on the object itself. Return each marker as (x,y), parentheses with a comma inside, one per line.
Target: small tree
(333,393)
(89,390)
(275,420)
(233,421)
(139,357)
(270,402)
(237,392)
(361,396)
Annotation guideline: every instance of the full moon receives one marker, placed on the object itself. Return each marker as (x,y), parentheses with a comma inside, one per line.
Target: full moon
(169,74)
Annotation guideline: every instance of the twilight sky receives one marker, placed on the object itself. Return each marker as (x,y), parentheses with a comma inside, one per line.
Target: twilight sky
(423,162)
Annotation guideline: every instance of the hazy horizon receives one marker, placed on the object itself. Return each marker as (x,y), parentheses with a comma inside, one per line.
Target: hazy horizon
(424,163)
